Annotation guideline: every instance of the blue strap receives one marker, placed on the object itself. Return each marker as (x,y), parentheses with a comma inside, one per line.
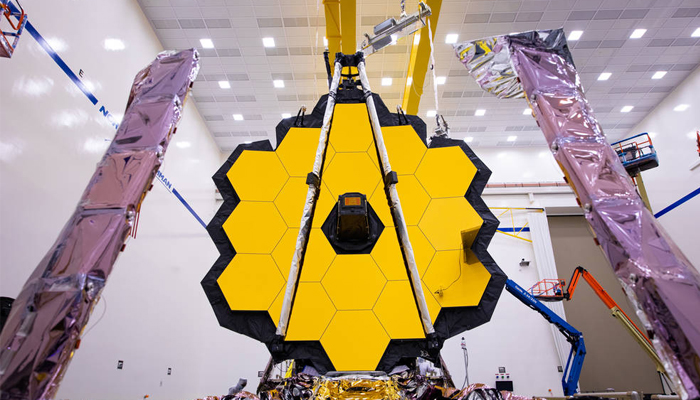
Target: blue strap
(678,203)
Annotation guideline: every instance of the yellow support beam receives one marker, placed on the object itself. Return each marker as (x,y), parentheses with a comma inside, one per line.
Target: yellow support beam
(348,26)
(333,32)
(420,59)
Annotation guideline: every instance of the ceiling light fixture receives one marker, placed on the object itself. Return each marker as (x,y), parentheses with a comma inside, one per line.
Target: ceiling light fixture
(431,113)
(658,75)
(278,83)
(268,42)
(512,138)
(206,43)
(638,33)
(325,41)
(237,117)
(440,80)
(183,145)
(575,35)
(480,113)
(224,84)
(626,109)
(387,81)
(527,111)
(468,139)
(604,76)
(451,38)
(286,115)
(681,107)
(696,33)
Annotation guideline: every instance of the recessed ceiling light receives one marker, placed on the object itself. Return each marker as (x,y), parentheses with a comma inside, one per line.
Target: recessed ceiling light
(451,38)
(431,113)
(681,107)
(638,33)
(696,33)
(512,138)
(278,83)
(387,81)
(183,145)
(575,35)
(114,44)
(480,112)
(268,42)
(409,81)
(325,41)
(440,80)
(468,139)
(206,43)
(527,111)
(416,39)
(626,108)
(604,76)
(286,115)
(237,117)
(658,75)
(224,85)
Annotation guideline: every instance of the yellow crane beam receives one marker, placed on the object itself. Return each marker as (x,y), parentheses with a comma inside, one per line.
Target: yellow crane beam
(348,26)
(419,61)
(333,33)
(341,27)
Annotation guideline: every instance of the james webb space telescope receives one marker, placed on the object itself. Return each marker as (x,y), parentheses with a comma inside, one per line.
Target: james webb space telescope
(319,258)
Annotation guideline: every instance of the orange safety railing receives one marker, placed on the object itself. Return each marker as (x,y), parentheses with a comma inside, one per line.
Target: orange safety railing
(548,288)
(634,147)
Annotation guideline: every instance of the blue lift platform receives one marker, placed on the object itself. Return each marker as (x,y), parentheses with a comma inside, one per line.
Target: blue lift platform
(636,153)
(10,37)
(572,372)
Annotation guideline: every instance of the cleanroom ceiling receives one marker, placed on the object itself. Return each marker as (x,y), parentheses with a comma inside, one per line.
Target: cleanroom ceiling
(253,105)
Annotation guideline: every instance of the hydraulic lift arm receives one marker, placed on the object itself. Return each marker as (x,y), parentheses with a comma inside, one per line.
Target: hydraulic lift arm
(572,372)
(616,311)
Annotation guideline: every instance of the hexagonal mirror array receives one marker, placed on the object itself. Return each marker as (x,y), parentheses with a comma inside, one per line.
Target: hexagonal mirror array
(352,308)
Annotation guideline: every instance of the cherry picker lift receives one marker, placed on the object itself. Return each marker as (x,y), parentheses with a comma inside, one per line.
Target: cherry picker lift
(556,290)
(572,371)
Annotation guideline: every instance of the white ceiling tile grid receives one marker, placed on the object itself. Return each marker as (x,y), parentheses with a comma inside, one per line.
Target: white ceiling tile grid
(237,29)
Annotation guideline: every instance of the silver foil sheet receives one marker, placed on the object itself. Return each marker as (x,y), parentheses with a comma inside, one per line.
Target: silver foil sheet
(48,316)
(658,279)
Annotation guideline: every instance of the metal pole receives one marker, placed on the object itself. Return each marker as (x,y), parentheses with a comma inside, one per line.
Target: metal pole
(396,204)
(313,180)
(642,191)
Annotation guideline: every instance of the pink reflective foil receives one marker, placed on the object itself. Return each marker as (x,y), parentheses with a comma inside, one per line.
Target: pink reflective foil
(54,305)
(658,279)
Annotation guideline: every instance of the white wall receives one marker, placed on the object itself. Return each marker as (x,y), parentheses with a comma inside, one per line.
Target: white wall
(673,135)
(520,164)
(51,137)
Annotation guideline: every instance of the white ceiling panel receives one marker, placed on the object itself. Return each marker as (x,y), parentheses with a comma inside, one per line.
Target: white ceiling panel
(237,28)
